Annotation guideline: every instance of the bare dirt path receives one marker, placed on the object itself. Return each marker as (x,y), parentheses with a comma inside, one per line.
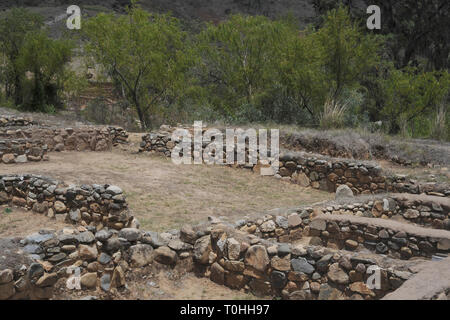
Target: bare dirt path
(163,195)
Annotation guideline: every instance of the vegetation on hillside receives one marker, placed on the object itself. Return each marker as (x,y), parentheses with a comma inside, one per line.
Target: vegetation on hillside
(335,73)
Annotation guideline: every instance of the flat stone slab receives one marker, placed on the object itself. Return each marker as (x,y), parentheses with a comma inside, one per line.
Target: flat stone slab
(388,224)
(433,277)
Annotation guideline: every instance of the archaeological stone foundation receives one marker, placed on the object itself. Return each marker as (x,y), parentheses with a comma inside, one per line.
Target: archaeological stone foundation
(397,228)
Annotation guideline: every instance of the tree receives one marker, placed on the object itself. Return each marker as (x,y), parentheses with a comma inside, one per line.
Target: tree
(14,27)
(239,60)
(301,72)
(46,59)
(145,53)
(347,52)
(410,94)
(418,28)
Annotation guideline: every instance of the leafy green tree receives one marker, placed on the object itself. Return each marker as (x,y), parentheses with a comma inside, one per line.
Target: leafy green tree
(417,28)
(410,94)
(347,52)
(46,59)
(301,72)
(14,27)
(239,59)
(146,53)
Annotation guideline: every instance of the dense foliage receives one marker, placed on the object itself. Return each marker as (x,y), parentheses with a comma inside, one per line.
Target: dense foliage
(335,73)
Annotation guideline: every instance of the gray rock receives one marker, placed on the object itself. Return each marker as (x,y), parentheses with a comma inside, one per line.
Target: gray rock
(86,237)
(343,191)
(105,282)
(130,234)
(301,265)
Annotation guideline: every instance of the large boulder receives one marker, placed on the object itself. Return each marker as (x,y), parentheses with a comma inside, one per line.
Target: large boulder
(343,191)
(257,258)
(141,255)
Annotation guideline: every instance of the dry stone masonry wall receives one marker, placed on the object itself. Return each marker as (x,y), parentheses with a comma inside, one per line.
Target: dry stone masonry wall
(88,205)
(226,253)
(21,140)
(317,171)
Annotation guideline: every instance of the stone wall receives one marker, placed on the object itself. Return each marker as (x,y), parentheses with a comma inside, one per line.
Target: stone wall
(35,142)
(22,150)
(20,277)
(319,172)
(102,257)
(363,225)
(89,205)
(9,121)
(294,271)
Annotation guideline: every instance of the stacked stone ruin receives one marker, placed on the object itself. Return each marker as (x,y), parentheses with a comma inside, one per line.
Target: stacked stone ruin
(22,140)
(349,239)
(317,171)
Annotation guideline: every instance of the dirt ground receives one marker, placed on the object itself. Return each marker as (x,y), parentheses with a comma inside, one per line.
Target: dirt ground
(17,222)
(148,284)
(163,195)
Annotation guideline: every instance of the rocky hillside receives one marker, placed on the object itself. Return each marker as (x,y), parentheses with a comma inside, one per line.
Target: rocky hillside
(209,10)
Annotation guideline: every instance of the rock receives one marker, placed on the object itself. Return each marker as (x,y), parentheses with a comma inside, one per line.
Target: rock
(278,280)
(74,215)
(351,244)
(86,237)
(165,255)
(283,249)
(361,287)
(318,224)
(7,290)
(268,226)
(282,222)
(294,220)
(35,271)
(257,257)
(202,249)
(59,207)
(130,234)
(337,275)
(118,278)
(327,292)
(234,280)
(103,235)
(6,276)
(217,273)
(105,282)
(443,244)
(302,265)
(281,264)
(88,253)
(140,255)
(8,158)
(343,191)
(234,249)
(302,179)
(179,245)
(113,245)
(21,159)
(114,190)
(187,234)
(48,279)
(411,214)
(57,257)
(104,258)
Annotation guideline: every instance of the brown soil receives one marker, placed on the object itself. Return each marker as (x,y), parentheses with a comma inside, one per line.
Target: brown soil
(17,222)
(163,195)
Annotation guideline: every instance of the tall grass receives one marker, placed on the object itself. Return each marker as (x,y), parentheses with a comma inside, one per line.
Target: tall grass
(333,114)
(439,129)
